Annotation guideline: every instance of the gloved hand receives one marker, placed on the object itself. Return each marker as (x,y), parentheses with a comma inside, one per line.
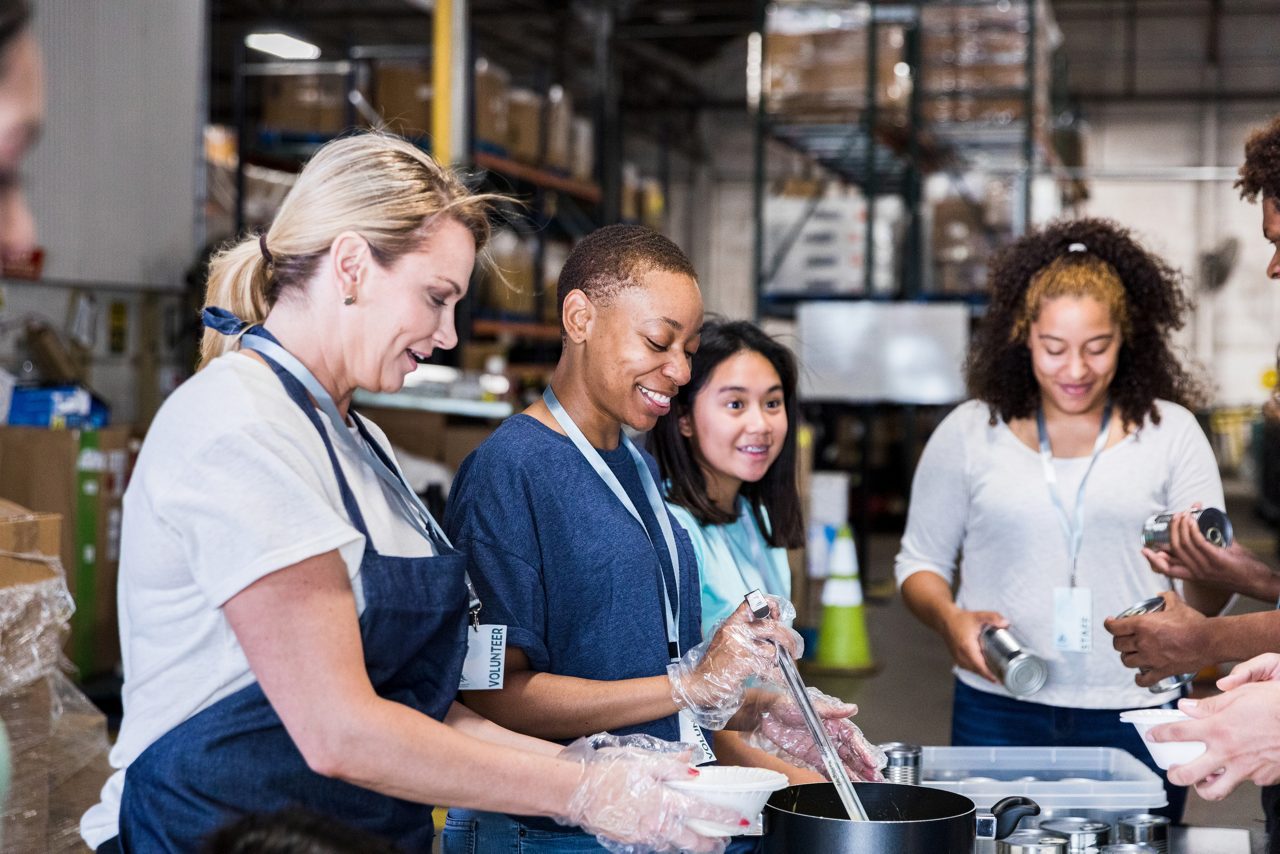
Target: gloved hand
(781,730)
(622,797)
(710,680)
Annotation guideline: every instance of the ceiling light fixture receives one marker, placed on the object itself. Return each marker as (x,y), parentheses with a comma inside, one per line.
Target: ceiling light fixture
(281,45)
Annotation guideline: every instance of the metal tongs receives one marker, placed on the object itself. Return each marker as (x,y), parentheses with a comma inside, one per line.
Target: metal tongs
(835,768)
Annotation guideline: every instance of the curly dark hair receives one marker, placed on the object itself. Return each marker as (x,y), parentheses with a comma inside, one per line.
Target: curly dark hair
(1260,174)
(998,370)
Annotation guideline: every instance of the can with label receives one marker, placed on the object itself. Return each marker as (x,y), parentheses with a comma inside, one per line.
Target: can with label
(1151,606)
(1021,671)
(1146,829)
(1213,523)
(1083,834)
(903,762)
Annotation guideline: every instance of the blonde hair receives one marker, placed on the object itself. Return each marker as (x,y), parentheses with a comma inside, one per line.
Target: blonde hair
(375,184)
(1076,274)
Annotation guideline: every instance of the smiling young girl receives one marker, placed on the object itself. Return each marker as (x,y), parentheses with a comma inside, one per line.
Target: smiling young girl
(1035,492)
(728,455)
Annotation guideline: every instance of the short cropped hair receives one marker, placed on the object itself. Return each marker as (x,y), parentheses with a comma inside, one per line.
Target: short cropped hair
(1260,174)
(611,259)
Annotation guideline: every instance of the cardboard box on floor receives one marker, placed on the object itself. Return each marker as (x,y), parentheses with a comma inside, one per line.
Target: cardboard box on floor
(58,741)
(79,475)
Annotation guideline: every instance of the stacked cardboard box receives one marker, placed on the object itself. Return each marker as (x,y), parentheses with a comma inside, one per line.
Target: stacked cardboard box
(80,476)
(817,62)
(510,286)
(492,85)
(311,103)
(975,62)
(402,96)
(57,738)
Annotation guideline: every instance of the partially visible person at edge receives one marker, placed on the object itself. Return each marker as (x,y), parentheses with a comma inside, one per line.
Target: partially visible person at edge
(1240,727)
(21,117)
(293,623)
(727,454)
(566,533)
(1077,433)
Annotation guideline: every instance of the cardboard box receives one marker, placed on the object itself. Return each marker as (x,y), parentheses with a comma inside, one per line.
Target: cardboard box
(510,288)
(583,166)
(419,433)
(824,69)
(402,96)
(491,92)
(80,476)
(559,153)
(524,125)
(310,103)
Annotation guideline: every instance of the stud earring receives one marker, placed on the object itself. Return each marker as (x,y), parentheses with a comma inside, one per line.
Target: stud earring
(349,300)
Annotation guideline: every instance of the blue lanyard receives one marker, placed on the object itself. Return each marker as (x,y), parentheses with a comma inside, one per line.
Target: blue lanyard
(1073,528)
(592,456)
(408,502)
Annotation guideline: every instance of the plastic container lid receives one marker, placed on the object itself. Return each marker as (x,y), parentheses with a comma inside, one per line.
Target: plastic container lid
(1067,778)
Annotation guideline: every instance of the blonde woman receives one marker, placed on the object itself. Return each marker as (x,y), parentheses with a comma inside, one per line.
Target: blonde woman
(293,621)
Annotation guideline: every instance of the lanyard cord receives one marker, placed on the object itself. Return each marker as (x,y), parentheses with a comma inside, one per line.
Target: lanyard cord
(670,612)
(408,502)
(1072,528)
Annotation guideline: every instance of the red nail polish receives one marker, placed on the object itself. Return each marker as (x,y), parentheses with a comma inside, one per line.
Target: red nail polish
(694,772)
(744,823)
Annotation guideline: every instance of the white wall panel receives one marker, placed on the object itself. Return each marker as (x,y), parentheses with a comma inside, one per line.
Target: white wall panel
(1233,330)
(113,182)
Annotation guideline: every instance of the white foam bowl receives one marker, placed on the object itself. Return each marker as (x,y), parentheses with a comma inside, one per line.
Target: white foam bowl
(744,790)
(1165,753)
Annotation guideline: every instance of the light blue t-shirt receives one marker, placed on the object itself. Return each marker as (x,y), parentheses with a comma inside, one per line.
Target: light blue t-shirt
(733,559)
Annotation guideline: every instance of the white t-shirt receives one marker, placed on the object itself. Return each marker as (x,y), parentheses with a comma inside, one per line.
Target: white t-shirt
(232,484)
(981,493)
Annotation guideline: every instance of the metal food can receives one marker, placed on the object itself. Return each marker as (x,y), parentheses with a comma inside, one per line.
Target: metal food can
(1022,672)
(1083,834)
(1211,521)
(1151,606)
(1127,848)
(1032,842)
(1146,829)
(903,762)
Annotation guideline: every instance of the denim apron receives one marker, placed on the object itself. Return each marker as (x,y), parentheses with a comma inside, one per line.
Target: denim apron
(235,757)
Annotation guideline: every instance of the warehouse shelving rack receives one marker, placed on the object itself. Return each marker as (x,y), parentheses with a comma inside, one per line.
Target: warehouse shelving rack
(886,152)
(890,152)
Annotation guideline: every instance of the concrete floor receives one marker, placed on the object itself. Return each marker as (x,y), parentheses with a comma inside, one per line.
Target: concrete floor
(909,698)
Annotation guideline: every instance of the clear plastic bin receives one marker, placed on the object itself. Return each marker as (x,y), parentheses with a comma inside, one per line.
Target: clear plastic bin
(1102,783)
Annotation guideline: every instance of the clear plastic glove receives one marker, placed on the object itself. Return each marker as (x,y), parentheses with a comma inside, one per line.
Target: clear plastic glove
(622,797)
(781,730)
(711,679)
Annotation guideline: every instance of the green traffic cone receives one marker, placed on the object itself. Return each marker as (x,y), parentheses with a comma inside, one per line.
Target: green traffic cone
(842,637)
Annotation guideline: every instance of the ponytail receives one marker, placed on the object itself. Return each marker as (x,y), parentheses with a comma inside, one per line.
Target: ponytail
(239,281)
(380,186)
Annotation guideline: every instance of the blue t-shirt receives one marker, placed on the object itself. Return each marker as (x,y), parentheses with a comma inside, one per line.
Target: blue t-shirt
(556,557)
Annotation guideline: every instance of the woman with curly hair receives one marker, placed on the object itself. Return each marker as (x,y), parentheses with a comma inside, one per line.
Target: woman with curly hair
(1078,431)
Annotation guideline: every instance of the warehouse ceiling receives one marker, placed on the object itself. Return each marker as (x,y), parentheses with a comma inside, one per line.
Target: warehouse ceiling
(1171,50)
(664,50)
(659,45)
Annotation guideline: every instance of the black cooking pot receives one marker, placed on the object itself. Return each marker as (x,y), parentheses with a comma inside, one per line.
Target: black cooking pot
(810,819)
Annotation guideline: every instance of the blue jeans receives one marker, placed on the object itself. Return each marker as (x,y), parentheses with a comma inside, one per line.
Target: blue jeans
(472,832)
(979,719)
